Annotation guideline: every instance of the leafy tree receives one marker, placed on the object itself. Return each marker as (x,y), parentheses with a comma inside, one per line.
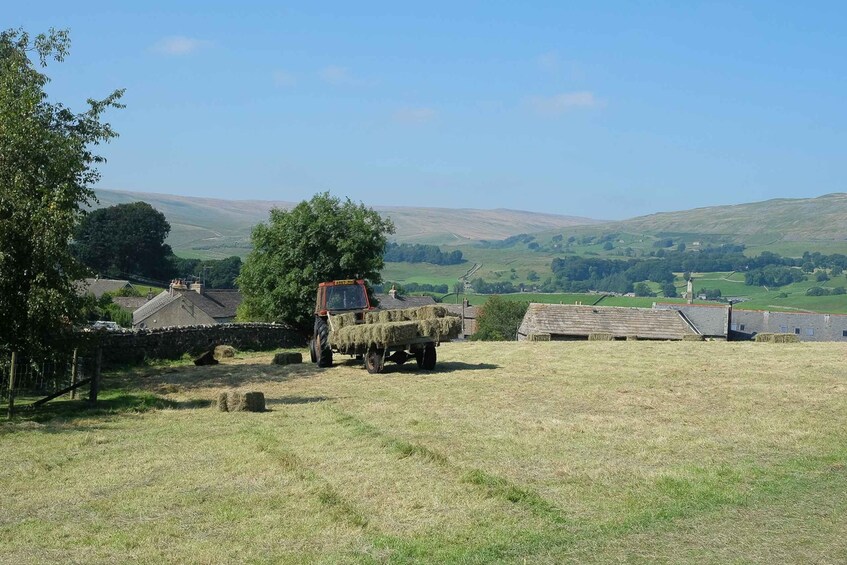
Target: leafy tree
(642,289)
(217,273)
(608,246)
(499,319)
(46,166)
(669,290)
(821,276)
(318,240)
(125,240)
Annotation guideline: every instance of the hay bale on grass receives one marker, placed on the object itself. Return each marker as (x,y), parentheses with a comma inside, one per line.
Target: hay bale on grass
(242,402)
(222,402)
(287,358)
(601,336)
(538,337)
(786,338)
(765,337)
(693,337)
(224,352)
(632,338)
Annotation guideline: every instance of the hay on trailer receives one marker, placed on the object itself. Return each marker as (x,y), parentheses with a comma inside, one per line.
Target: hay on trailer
(693,337)
(338,321)
(287,358)
(601,336)
(374,334)
(448,327)
(406,314)
(538,337)
(243,402)
(222,403)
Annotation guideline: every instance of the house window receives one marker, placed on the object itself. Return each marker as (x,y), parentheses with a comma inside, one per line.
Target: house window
(797,331)
(843,333)
(741,327)
(783,329)
(733,327)
(810,331)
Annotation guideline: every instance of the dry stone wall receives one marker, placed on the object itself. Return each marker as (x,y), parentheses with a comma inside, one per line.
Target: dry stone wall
(172,343)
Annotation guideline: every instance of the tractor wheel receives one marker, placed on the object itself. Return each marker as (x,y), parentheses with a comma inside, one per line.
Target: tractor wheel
(375,361)
(419,357)
(428,359)
(323,354)
(312,355)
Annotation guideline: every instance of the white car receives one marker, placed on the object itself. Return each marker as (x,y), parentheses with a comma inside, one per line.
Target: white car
(105,325)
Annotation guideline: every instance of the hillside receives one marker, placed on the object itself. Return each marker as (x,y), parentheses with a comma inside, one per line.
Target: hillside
(785,219)
(219,228)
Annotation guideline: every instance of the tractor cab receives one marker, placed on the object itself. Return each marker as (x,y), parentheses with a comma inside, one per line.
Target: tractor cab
(342,296)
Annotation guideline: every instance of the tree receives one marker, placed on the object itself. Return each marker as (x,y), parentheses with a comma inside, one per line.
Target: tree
(499,319)
(46,167)
(318,240)
(125,240)
(669,290)
(642,289)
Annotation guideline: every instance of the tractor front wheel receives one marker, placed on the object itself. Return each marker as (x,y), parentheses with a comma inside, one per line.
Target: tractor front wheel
(323,353)
(427,362)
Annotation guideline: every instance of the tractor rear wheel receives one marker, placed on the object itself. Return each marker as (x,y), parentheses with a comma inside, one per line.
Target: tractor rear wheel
(323,353)
(375,360)
(312,355)
(428,358)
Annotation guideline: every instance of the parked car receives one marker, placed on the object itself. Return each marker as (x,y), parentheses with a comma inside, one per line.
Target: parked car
(105,325)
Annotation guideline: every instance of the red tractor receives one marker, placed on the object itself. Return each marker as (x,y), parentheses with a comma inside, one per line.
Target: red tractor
(335,297)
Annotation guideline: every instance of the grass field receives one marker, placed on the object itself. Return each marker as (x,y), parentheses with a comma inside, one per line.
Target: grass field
(509,452)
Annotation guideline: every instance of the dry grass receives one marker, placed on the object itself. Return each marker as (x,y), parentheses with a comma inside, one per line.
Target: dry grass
(536,452)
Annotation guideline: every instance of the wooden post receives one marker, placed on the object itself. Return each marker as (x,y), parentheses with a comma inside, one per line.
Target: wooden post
(12,386)
(74,374)
(95,378)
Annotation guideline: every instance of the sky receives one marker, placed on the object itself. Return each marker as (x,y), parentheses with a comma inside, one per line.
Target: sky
(601,109)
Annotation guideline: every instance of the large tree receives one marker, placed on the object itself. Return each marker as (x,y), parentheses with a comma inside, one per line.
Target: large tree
(319,240)
(499,319)
(125,240)
(46,166)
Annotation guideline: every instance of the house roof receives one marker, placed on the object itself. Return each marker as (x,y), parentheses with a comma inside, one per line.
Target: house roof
(131,303)
(578,321)
(98,287)
(217,303)
(709,319)
(387,302)
(470,311)
(152,306)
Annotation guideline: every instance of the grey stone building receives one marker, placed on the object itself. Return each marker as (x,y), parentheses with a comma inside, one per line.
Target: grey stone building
(187,305)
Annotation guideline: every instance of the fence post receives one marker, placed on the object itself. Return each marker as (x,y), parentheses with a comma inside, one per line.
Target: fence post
(12,386)
(95,378)
(74,374)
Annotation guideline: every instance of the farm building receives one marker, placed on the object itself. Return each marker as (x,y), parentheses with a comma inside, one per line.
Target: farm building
(807,326)
(574,322)
(468,314)
(98,287)
(393,301)
(711,320)
(187,305)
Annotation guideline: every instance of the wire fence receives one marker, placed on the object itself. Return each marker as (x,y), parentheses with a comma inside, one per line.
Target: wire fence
(35,379)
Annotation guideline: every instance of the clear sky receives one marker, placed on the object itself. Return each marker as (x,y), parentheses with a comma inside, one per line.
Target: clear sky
(600,109)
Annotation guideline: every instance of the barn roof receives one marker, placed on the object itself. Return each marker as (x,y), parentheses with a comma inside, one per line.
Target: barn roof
(580,321)
(99,287)
(388,302)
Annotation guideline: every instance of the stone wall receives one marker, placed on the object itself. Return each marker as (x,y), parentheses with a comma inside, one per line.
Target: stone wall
(172,343)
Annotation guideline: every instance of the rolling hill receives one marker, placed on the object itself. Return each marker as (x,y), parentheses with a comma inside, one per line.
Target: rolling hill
(220,228)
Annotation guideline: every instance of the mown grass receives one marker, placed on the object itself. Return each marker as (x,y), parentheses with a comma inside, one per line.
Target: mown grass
(543,453)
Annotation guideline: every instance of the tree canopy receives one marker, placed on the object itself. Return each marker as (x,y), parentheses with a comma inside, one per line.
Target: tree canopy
(318,240)
(125,240)
(46,166)
(499,319)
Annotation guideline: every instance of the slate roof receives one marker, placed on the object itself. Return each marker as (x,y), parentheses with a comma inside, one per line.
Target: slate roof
(152,306)
(580,321)
(710,319)
(99,287)
(387,302)
(131,303)
(217,303)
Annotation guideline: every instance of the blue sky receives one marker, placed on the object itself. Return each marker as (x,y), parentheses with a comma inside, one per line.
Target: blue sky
(599,109)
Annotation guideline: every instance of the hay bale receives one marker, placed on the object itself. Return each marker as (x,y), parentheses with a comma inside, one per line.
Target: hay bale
(224,352)
(538,337)
(234,401)
(632,338)
(786,338)
(601,336)
(693,337)
(406,314)
(208,358)
(765,337)
(374,334)
(338,321)
(222,403)
(287,358)
(254,401)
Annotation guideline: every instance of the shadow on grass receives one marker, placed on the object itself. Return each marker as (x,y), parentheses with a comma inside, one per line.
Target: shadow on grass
(297,400)
(411,367)
(110,404)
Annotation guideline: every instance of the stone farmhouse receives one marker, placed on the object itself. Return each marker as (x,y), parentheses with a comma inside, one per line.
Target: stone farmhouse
(672,321)
(187,304)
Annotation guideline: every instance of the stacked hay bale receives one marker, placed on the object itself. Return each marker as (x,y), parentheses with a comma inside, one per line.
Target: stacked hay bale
(777,338)
(385,327)
(287,358)
(693,337)
(538,337)
(601,336)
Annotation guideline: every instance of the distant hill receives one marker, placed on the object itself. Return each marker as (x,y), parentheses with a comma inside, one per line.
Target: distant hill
(218,228)
(785,219)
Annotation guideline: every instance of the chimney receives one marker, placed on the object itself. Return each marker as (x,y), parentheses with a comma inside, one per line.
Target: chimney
(393,292)
(196,287)
(177,284)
